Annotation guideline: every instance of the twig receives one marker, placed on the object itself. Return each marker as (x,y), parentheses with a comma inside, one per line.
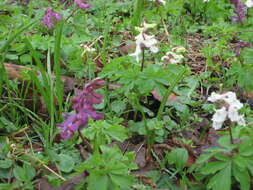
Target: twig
(85,141)
(45,166)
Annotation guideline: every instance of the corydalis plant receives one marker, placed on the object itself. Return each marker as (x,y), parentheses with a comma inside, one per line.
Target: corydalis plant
(240,10)
(240,45)
(51,18)
(82,4)
(174,56)
(230,108)
(83,103)
(144,41)
(161,2)
(249,3)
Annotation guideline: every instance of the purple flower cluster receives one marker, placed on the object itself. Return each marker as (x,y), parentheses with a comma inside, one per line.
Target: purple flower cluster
(240,11)
(83,106)
(239,46)
(51,18)
(82,4)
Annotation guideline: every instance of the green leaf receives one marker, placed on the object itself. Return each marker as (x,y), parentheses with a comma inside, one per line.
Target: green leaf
(240,161)
(125,182)
(137,13)
(245,149)
(118,106)
(26,58)
(11,56)
(249,162)
(7,163)
(97,182)
(8,125)
(242,176)
(19,173)
(66,163)
(204,157)
(27,173)
(178,156)
(216,149)
(222,180)
(212,167)
(117,132)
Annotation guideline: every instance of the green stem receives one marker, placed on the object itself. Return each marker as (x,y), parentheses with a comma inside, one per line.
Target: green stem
(85,141)
(142,61)
(107,97)
(57,66)
(169,91)
(231,135)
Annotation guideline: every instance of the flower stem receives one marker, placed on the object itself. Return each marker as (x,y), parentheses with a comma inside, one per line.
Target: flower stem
(85,141)
(142,61)
(168,92)
(231,135)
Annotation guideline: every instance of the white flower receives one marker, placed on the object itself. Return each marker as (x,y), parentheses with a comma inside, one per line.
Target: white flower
(233,105)
(219,117)
(229,98)
(179,49)
(241,120)
(163,2)
(206,1)
(249,3)
(214,97)
(144,41)
(173,58)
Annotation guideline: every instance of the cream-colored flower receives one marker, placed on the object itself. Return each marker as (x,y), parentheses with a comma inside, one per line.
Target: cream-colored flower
(163,2)
(249,3)
(219,117)
(179,49)
(173,58)
(233,106)
(144,41)
(229,98)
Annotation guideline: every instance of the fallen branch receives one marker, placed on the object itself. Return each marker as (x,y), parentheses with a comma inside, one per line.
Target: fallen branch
(15,72)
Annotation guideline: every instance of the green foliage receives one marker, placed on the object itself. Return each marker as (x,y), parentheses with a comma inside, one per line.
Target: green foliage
(102,132)
(135,94)
(178,156)
(109,170)
(240,74)
(231,163)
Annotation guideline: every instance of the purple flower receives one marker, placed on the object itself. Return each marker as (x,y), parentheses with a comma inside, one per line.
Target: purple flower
(50,18)
(239,46)
(83,105)
(240,11)
(82,4)
(69,126)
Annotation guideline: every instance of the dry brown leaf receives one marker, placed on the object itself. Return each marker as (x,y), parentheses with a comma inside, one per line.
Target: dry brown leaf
(171,98)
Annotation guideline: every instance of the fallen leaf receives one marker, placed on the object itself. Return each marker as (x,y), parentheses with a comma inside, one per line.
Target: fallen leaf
(171,98)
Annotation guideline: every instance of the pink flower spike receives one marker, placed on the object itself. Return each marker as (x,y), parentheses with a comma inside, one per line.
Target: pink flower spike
(51,18)
(83,102)
(82,4)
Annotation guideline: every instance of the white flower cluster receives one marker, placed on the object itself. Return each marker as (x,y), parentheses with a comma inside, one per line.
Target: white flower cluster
(249,3)
(230,109)
(144,40)
(174,56)
(163,2)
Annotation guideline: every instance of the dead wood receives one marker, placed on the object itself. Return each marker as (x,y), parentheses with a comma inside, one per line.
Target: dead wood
(15,72)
